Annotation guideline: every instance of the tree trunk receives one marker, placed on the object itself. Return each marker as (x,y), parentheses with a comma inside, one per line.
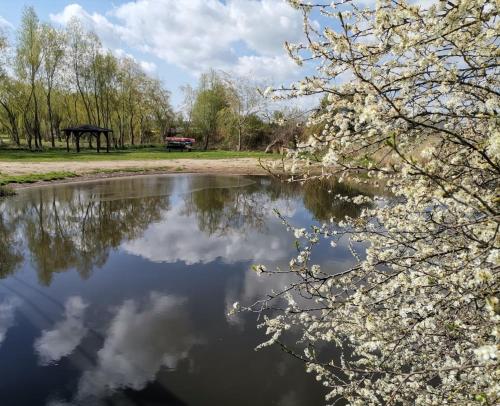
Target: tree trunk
(206,142)
(28,131)
(51,123)
(141,129)
(269,148)
(239,138)
(132,130)
(14,131)
(37,132)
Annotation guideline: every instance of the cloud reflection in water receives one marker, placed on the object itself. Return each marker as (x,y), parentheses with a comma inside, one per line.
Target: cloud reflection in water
(141,339)
(66,335)
(7,310)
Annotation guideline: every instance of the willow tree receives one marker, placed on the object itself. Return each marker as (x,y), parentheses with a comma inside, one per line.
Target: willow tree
(244,103)
(12,103)
(106,82)
(54,44)
(130,76)
(29,61)
(413,101)
(83,49)
(155,110)
(210,101)
(8,95)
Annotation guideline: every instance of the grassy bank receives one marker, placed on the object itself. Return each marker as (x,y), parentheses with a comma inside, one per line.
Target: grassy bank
(35,177)
(17,155)
(60,175)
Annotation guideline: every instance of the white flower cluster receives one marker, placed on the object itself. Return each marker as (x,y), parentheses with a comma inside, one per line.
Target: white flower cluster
(417,319)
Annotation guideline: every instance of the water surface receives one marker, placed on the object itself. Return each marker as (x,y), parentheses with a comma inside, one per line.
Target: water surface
(116,292)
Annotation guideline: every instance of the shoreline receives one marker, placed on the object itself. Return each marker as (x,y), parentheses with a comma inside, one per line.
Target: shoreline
(110,176)
(94,171)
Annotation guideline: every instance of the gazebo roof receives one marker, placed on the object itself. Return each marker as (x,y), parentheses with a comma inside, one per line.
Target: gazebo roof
(88,128)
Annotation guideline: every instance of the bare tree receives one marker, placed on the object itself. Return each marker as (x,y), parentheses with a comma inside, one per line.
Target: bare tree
(244,100)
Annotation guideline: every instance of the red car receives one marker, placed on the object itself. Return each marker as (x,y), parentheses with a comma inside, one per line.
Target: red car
(181,143)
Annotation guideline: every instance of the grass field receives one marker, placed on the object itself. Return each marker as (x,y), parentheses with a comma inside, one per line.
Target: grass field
(18,155)
(35,177)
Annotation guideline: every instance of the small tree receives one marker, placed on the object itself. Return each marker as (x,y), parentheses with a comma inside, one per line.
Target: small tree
(417,317)
(211,99)
(244,101)
(287,127)
(187,106)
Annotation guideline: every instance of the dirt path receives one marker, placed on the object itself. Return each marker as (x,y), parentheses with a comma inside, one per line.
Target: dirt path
(238,166)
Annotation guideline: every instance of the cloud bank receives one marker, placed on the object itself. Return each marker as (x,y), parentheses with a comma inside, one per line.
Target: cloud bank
(242,36)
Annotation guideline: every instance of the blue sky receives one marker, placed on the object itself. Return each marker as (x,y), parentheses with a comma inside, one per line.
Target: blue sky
(176,40)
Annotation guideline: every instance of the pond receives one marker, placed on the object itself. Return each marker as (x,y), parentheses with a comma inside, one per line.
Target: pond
(117,292)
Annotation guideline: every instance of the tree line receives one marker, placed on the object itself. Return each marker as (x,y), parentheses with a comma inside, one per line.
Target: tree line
(231,112)
(55,78)
(52,78)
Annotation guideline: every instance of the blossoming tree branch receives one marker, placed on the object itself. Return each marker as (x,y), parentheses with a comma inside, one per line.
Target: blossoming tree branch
(412,101)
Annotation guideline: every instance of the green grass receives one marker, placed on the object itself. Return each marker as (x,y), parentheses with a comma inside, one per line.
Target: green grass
(151,153)
(49,176)
(35,177)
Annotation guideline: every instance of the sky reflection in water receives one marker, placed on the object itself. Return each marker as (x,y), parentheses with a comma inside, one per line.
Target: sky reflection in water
(116,292)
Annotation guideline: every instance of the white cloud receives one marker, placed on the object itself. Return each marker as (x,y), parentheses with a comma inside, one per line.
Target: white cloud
(140,340)
(7,310)
(66,335)
(274,69)
(241,35)
(5,25)
(148,67)
(109,33)
(265,25)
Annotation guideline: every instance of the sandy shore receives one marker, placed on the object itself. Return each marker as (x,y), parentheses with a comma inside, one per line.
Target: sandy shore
(90,170)
(238,166)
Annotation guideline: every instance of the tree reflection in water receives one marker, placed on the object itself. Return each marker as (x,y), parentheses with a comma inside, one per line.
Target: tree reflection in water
(77,226)
(320,199)
(10,254)
(219,209)
(72,227)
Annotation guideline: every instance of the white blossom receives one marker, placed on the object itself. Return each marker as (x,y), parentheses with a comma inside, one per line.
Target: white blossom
(299,232)
(418,314)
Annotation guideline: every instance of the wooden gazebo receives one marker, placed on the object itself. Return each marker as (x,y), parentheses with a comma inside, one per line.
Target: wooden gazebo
(91,130)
